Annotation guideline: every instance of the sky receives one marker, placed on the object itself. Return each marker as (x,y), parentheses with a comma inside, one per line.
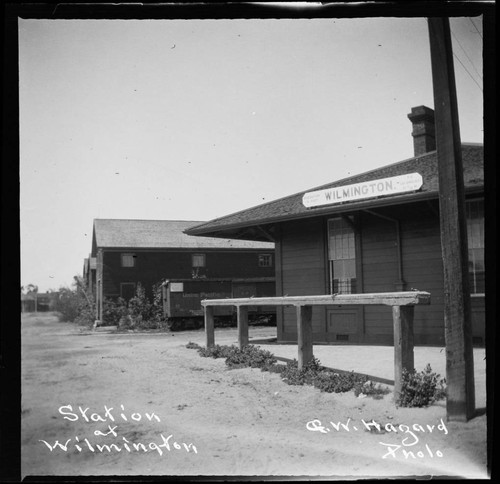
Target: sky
(197,119)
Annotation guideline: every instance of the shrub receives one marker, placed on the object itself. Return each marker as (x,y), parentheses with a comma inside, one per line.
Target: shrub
(293,376)
(193,346)
(67,304)
(216,351)
(331,382)
(420,389)
(157,307)
(251,356)
(76,304)
(139,307)
(113,310)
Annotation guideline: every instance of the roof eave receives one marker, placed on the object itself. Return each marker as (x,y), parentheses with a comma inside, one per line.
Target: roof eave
(341,208)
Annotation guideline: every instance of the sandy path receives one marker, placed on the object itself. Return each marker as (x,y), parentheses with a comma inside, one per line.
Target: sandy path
(232,422)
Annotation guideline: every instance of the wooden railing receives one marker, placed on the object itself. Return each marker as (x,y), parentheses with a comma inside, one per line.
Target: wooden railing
(402,303)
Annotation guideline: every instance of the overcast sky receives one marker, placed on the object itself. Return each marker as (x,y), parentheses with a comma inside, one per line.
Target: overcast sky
(196,119)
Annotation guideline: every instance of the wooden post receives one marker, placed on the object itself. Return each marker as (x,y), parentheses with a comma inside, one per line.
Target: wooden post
(304,334)
(242,319)
(209,326)
(460,403)
(99,285)
(403,344)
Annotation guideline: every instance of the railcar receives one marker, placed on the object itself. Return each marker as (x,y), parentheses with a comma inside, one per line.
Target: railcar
(182,301)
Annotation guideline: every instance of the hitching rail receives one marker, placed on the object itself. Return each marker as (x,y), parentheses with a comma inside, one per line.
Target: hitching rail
(403,304)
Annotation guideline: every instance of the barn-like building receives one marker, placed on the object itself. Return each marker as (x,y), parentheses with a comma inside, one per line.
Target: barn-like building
(377,231)
(128,252)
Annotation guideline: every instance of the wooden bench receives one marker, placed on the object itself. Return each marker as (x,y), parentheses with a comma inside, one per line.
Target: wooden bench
(402,303)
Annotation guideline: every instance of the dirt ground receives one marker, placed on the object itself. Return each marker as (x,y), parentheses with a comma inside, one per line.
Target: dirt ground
(188,415)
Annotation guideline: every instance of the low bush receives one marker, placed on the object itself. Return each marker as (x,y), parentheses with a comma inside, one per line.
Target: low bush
(113,310)
(251,356)
(193,346)
(216,351)
(331,382)
(421,389)
(293,376)
(312,373)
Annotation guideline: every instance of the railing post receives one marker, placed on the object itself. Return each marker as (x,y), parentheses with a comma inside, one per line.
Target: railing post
(403,344)
(304,334)
(242,319)
(209,326)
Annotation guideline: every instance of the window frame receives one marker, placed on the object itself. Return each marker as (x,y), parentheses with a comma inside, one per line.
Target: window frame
(349,249)
(198,255)
(132,256)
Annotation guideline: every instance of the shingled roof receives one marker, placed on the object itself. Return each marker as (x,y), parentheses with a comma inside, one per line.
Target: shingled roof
(291,207)
(160,234)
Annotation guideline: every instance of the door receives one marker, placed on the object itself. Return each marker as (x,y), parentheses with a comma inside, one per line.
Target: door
(127,290)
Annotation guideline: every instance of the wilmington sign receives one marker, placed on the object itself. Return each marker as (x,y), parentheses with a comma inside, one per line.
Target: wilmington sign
(359,191)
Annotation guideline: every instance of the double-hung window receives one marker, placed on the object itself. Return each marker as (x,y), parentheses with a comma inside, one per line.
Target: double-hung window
(341,257)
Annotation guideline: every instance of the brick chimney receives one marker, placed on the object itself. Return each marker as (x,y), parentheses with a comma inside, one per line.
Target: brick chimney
(424,131)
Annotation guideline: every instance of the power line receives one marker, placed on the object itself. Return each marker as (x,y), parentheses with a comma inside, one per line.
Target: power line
(477,30)
(456,57)
(463,50)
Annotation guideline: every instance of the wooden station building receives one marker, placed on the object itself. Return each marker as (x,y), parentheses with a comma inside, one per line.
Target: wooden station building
(377,231)
(128,252)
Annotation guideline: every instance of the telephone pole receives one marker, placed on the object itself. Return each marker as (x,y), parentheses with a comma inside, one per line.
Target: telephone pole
(460,404)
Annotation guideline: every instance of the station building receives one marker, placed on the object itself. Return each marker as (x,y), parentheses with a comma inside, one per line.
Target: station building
(377,231)
(128,252)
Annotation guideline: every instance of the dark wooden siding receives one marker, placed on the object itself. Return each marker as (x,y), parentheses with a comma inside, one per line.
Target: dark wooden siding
(153,266)
(303,271)
(421,269)
(303,256)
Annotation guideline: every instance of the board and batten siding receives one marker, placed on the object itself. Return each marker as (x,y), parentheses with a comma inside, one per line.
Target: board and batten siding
(421,269)
(303,269)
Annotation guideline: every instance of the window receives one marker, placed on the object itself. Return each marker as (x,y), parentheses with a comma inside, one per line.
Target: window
(474,210)
(128,260)
(341,257)
(265,260)
(198,260)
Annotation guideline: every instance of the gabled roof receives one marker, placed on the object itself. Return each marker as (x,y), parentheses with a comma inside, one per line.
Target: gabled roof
(291,207)
(160,234)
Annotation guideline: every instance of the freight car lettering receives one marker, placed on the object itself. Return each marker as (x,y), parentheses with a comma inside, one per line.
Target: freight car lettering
(214,295)
(190,295)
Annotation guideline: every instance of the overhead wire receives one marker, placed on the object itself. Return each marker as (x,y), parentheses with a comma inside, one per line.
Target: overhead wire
(466,55)
(470,60)
(477,30)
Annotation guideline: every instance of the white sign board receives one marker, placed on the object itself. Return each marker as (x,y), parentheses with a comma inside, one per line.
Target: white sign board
(176,287)
(368,189)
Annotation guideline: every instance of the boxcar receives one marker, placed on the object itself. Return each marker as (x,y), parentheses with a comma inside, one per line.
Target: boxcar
(182,300)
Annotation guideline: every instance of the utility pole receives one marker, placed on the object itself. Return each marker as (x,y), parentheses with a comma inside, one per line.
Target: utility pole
(460,404)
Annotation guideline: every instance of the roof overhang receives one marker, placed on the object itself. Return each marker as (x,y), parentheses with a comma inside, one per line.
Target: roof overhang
(257,229)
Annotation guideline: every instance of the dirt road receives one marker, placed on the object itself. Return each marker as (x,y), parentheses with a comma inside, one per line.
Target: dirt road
(161,409)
